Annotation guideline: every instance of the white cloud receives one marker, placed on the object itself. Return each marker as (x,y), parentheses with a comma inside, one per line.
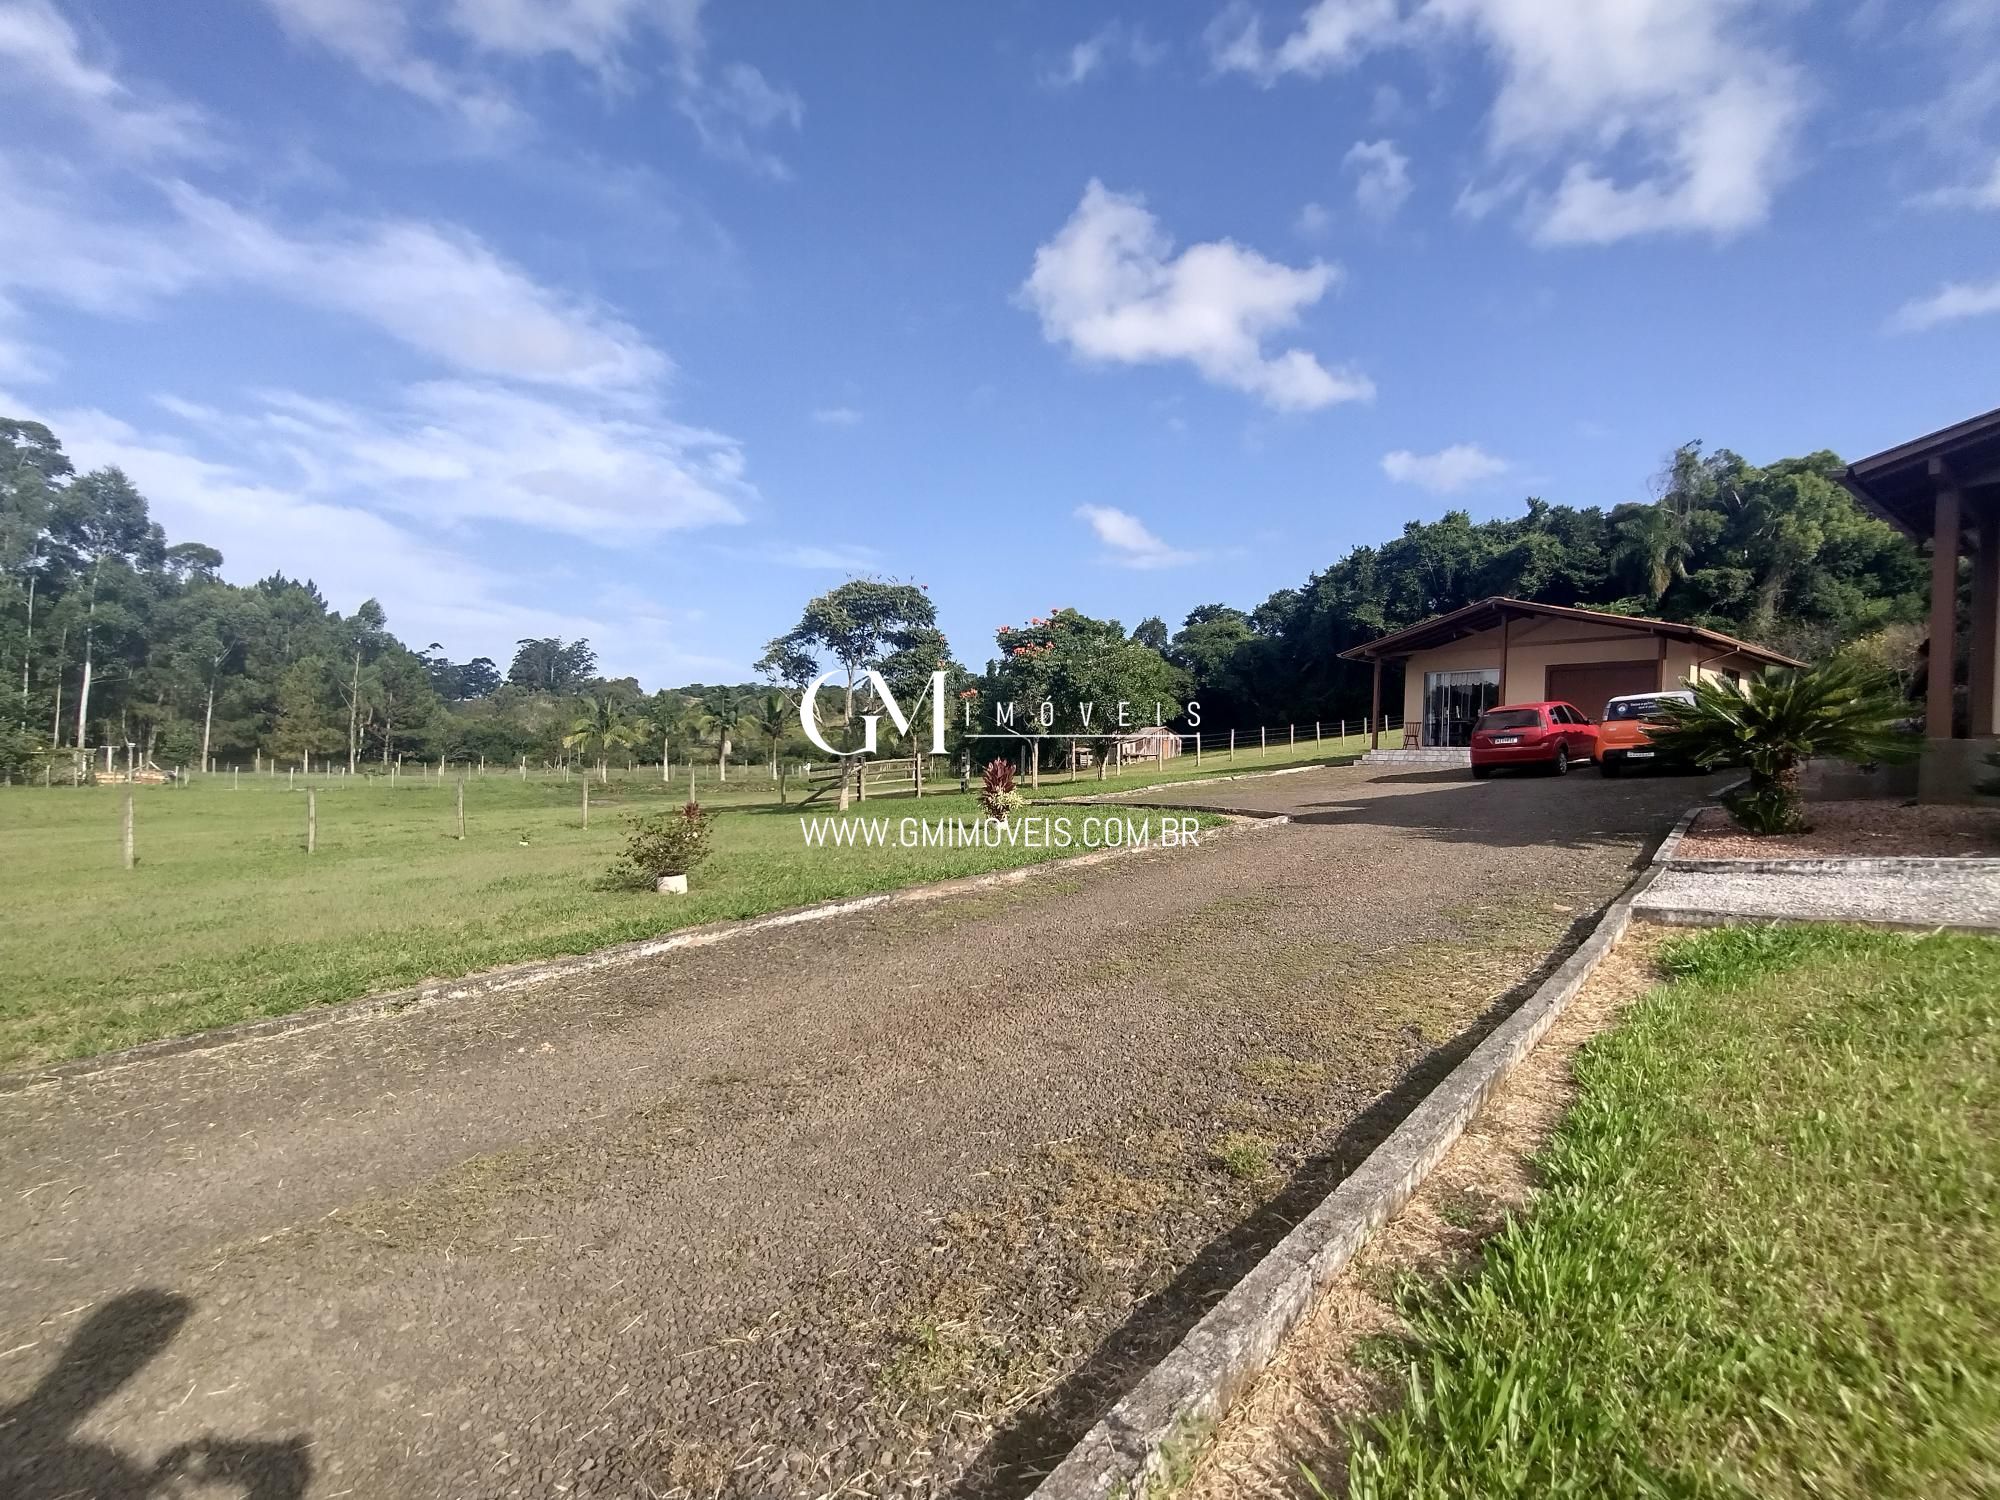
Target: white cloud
(728,106)
(453,452)
(1686,89)
(1948,304)
(433,287)
(1332,35)
(1111,43)
(1313,222)
(1131,544)
(438,289)
(837,416)
(263,525)
(41,54)
(374,36)
(1981,193)
(1446,471)
(1382,181)
(1110,287)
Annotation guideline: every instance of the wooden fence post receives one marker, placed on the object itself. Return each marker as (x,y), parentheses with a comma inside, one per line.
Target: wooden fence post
(917,774)
(586,802)
(1232,744)
(312,820)
(130,858)
(1263,739)
(461,807)
(1197,752)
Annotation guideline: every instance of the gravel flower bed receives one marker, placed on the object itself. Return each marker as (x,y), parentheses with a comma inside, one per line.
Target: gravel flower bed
(1844,829)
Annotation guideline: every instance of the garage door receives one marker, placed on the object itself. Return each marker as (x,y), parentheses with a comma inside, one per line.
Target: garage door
(1592,684)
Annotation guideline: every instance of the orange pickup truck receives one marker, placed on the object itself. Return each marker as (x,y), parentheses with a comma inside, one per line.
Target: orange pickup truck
(1623,738)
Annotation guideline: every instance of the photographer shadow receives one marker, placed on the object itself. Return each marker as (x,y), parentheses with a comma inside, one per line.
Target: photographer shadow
(43,1457)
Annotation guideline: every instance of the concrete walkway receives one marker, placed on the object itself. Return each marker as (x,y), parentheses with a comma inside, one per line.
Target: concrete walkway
(891,1205)
(1924,894)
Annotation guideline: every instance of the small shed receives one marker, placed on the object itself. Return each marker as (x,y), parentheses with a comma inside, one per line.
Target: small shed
(1149,743)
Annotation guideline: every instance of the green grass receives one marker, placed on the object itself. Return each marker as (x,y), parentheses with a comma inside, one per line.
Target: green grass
(1767,1259)
(227,918)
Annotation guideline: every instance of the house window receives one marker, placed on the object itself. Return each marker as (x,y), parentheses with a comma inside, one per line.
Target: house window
(1453,701)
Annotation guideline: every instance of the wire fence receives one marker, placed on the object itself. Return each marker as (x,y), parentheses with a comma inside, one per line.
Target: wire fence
(1145,751)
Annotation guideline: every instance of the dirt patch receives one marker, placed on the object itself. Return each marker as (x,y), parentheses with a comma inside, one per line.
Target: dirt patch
(1843,830)
(1340,1364)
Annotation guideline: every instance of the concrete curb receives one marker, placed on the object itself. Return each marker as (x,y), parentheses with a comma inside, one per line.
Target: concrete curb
(1703,916)
(1858,865)
(1188,1391)
(1162,786)
(542,971)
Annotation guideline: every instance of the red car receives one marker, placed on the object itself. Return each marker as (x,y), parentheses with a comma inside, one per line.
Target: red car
(1547,735)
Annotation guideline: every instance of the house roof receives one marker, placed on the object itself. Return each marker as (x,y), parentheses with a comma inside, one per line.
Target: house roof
(1488,613)
(1899,484)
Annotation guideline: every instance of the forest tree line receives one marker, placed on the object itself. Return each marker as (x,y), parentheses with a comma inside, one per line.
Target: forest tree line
(112,634)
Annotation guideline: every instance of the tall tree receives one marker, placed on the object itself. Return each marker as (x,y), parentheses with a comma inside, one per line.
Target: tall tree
(860,624)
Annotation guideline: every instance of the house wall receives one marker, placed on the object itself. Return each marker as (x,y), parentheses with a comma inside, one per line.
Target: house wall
(1535,645)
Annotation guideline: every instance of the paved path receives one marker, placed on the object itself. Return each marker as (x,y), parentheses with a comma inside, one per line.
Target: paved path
(892,1205)
(1924,896)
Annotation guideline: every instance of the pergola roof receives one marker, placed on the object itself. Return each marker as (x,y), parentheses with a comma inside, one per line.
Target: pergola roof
(1899,484)
(1488,613)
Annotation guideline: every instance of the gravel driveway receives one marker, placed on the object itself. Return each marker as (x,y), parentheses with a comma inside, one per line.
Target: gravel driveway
(890,1205)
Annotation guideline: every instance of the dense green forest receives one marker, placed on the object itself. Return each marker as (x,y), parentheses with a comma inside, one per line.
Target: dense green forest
(111,634)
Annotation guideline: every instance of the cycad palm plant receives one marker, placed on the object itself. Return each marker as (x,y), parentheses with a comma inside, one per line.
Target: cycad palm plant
(1775,722)
(603,726)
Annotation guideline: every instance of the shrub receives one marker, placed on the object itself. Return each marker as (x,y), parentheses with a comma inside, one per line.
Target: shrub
(1775,722)
(667,843)
(996,790)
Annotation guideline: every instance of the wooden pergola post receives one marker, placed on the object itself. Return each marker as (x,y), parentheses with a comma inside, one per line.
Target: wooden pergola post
(1944,603)
(1375,710)
(1985,682)
(1506,640)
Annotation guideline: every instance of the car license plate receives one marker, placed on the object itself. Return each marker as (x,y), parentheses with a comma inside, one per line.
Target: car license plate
(1638,755)
(1507,739)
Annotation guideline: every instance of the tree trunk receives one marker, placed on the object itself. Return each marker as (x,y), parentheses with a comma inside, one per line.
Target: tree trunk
(208,725)
(354,714)
(83,694)
(28,649)
(722,762)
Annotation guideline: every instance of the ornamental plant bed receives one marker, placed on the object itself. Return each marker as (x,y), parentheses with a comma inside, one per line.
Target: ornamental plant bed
(1841,830)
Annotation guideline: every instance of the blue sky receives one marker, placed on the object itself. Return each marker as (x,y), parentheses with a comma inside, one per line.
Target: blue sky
(645,320)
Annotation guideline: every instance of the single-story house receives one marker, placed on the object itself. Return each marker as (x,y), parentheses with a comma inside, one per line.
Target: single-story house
(1501,650)
(1944,488)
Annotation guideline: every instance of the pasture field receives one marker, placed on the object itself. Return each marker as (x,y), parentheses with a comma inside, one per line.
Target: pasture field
(226,917)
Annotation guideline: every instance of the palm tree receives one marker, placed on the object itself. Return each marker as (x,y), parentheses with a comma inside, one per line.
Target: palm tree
(1656,539)
(723,711)
(773,719)
(668,717)
(1775,722)
(603,726)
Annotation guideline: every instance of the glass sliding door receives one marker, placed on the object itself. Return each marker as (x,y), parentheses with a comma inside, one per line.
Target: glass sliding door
(1453,702)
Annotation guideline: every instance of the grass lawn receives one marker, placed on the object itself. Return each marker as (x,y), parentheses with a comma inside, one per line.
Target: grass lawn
(227,918)
(1767,1257)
